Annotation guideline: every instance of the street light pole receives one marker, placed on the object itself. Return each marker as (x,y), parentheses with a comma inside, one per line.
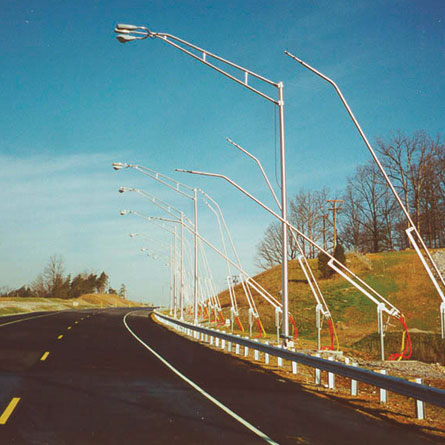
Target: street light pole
(181,301)
(128,33)
(284,266)
(183,190)
(412,232)
(195,287)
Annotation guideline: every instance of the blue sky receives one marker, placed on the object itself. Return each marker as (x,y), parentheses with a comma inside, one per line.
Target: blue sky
(74,100)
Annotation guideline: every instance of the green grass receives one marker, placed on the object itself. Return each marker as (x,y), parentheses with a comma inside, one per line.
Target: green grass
(397,276)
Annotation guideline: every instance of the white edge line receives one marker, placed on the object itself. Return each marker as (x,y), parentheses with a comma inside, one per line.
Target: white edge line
(30,318)
(200,390)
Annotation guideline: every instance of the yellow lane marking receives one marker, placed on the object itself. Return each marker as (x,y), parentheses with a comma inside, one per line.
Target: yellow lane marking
(69,327)
(59,337)
(9,409)
(44,356)
(76,322)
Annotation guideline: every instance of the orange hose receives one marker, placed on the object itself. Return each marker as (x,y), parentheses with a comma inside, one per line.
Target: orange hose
(407,350)
(238,321)
(260,329)
(295,327)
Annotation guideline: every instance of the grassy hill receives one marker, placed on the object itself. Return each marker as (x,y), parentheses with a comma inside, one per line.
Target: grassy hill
(397,276)
(14,305)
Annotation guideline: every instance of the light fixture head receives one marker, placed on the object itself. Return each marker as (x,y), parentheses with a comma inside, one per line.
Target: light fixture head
(119,165)
(124,38)
(120,27)
(122,189)
(123,212)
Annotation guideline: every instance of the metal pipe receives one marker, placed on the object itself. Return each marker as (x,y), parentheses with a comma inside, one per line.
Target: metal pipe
(181,303)
(284,265)
(195,289)
(387,179)
(333,263)
(171,39)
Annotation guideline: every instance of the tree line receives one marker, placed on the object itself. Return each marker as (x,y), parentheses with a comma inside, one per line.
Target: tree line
(53,283)
(370,219)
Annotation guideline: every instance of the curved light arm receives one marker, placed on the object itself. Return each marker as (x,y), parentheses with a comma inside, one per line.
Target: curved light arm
(260,167)
(254,284)
(439,287)
(334,263)
(148,218)
(132,235)
(159,177)
(163,205)
(154,254)
(131,32)
(362,134)
(318,295)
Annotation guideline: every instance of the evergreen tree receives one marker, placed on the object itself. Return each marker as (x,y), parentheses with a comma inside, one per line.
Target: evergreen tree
(339,254)
(324,269)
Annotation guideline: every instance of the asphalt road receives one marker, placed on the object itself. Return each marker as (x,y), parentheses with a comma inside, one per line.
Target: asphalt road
(80,377)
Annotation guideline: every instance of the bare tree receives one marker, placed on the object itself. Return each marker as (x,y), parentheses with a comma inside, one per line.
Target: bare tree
(270,247)
(306,212)
(38,287)
(351,234)
(54,281)
(368,206)
(412,163)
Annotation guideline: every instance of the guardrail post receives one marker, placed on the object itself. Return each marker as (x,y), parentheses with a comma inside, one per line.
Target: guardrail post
(237,352)
(354,385)
(217,342)
(294,365)
(420,406)
(419,393)
(266,356)
(279,359)
(383,392)
(223,344)
(229,346)
(256,353)
(317,373)
(331,377)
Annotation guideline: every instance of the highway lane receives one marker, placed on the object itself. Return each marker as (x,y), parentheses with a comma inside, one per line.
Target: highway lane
(99,385)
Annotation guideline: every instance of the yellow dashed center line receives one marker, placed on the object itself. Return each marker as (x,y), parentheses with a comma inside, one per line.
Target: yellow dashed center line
(44,356)
(76,322)
(9,409)
(69,327)
(60,337)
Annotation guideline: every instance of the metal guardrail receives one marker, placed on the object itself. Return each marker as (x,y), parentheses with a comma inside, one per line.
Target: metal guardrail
(427,394)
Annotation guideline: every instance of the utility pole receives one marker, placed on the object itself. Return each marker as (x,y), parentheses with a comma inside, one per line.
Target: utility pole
(325,217)
(335,209)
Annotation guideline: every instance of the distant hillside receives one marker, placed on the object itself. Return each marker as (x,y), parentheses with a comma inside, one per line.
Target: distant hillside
(398,276)
(13,305)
